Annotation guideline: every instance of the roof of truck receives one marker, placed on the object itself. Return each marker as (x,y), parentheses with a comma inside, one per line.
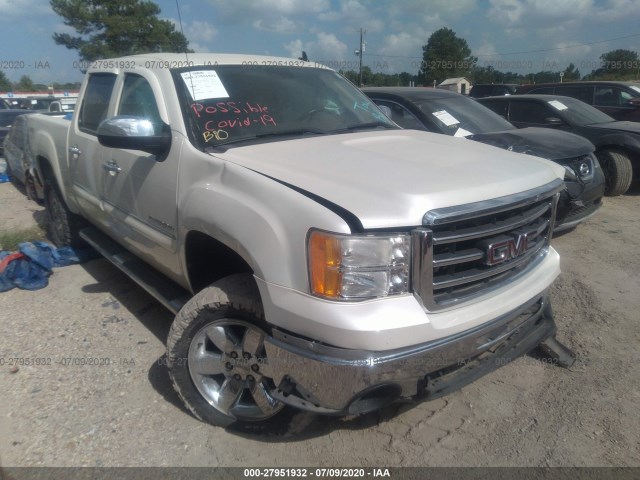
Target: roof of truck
(182,60)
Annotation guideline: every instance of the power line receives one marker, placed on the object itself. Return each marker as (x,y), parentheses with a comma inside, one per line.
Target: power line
(523,52)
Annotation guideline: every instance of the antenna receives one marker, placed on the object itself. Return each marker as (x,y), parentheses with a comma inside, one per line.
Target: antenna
(186,54)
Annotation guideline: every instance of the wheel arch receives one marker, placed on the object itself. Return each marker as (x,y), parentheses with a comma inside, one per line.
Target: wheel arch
(208,260)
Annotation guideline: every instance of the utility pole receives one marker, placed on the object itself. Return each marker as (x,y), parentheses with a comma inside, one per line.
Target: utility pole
(360,52)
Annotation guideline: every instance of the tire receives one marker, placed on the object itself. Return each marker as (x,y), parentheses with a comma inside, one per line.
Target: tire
(214,353)
(63,226)
(618,172)
(30,187)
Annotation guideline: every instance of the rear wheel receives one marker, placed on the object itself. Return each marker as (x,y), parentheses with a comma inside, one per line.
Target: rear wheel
(618,172)
(63,226)
(216,357)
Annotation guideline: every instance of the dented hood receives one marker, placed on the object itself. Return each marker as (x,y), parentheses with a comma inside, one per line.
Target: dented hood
(541,142)
(392,178)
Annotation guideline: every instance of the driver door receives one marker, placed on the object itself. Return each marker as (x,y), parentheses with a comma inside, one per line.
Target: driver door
(139,188)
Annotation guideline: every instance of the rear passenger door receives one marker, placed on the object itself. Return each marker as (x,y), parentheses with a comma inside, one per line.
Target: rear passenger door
(84,151)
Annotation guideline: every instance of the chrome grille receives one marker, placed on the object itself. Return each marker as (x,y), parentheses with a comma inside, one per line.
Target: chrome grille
(466,251)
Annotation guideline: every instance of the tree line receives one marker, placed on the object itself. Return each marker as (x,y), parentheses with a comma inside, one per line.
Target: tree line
(25,84)
(447,56)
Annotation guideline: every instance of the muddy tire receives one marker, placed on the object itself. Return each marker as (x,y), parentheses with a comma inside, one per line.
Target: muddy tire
(618,172)
(215,355)
(63,226)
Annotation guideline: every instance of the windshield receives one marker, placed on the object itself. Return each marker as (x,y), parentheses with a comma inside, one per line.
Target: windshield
(577,112)
(238,103)
(462,116)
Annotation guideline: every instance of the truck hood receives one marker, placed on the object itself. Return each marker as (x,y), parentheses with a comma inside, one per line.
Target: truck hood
(392,178)
(541,142)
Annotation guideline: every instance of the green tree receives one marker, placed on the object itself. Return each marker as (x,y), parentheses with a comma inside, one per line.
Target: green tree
(113,28)
(571,73)
(445,56)
(5,84)
(66,86)
(406,78)
(616,65)
(25,84)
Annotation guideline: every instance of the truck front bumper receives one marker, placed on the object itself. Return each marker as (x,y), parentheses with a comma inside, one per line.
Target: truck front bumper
(315,377)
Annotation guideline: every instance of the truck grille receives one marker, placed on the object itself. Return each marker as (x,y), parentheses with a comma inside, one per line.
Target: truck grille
(466,251)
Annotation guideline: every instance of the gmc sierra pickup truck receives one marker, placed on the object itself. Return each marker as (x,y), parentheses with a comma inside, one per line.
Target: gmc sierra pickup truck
(318,258)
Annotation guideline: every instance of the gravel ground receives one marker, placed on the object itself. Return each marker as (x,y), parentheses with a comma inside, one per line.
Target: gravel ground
(119,409)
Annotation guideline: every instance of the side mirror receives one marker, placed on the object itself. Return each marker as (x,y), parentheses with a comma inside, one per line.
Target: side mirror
(633,102)
(135,133)
(553,121)
(386,110)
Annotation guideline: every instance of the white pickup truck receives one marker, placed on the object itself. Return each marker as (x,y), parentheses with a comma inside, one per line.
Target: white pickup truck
(318,258)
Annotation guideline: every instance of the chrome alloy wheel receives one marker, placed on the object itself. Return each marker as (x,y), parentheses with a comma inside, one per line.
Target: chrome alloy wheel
(225,361)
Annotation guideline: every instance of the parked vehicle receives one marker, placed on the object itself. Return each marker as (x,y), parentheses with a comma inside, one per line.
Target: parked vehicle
(617,143)
(312,260)
(480,90)
(620,100)
(20,164)
(63,105)
(7,117)
(456,115)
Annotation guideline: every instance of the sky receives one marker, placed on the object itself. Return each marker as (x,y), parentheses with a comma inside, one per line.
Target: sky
(521,36)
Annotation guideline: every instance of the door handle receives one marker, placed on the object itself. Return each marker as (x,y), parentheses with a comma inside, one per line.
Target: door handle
(112,167)
(75,151)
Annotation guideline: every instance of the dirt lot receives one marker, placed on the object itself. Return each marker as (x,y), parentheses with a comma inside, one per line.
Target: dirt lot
(125,413)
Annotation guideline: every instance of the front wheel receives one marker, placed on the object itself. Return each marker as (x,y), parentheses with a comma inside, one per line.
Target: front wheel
(618,171)
(216,355)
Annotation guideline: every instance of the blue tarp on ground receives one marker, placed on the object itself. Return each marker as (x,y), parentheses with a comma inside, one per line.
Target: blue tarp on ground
(30,267)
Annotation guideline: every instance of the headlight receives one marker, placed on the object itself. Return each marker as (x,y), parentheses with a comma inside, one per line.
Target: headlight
(581,167)
(358,267)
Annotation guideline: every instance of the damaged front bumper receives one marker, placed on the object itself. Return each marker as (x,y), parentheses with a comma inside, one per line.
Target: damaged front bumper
(329,380)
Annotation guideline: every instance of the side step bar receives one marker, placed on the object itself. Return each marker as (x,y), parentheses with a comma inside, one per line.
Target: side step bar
(167,292)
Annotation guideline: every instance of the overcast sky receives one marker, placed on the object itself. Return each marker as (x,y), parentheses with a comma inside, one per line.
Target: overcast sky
(512,35)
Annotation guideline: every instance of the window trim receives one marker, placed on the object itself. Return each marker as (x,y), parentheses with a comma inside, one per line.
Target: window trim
(80,125)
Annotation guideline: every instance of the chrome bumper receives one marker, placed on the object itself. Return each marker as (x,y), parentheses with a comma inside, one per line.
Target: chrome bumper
(329,380)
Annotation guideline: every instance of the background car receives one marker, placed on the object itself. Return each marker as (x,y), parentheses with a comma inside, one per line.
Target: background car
(617,143)
(621,100)
(7,117)
(450,113)
(63,105)
(19,161)
(492,89)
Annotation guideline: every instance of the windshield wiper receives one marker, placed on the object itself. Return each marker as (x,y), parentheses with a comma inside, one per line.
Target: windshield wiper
(297,131)
(284,133)
(366,126)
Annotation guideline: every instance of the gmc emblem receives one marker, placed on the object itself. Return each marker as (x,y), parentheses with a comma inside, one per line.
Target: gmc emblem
(504,248)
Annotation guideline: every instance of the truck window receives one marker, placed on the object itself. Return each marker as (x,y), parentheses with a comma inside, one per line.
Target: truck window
(584,93)
(137,99)
(528,112)
(611,96)
(96,101)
